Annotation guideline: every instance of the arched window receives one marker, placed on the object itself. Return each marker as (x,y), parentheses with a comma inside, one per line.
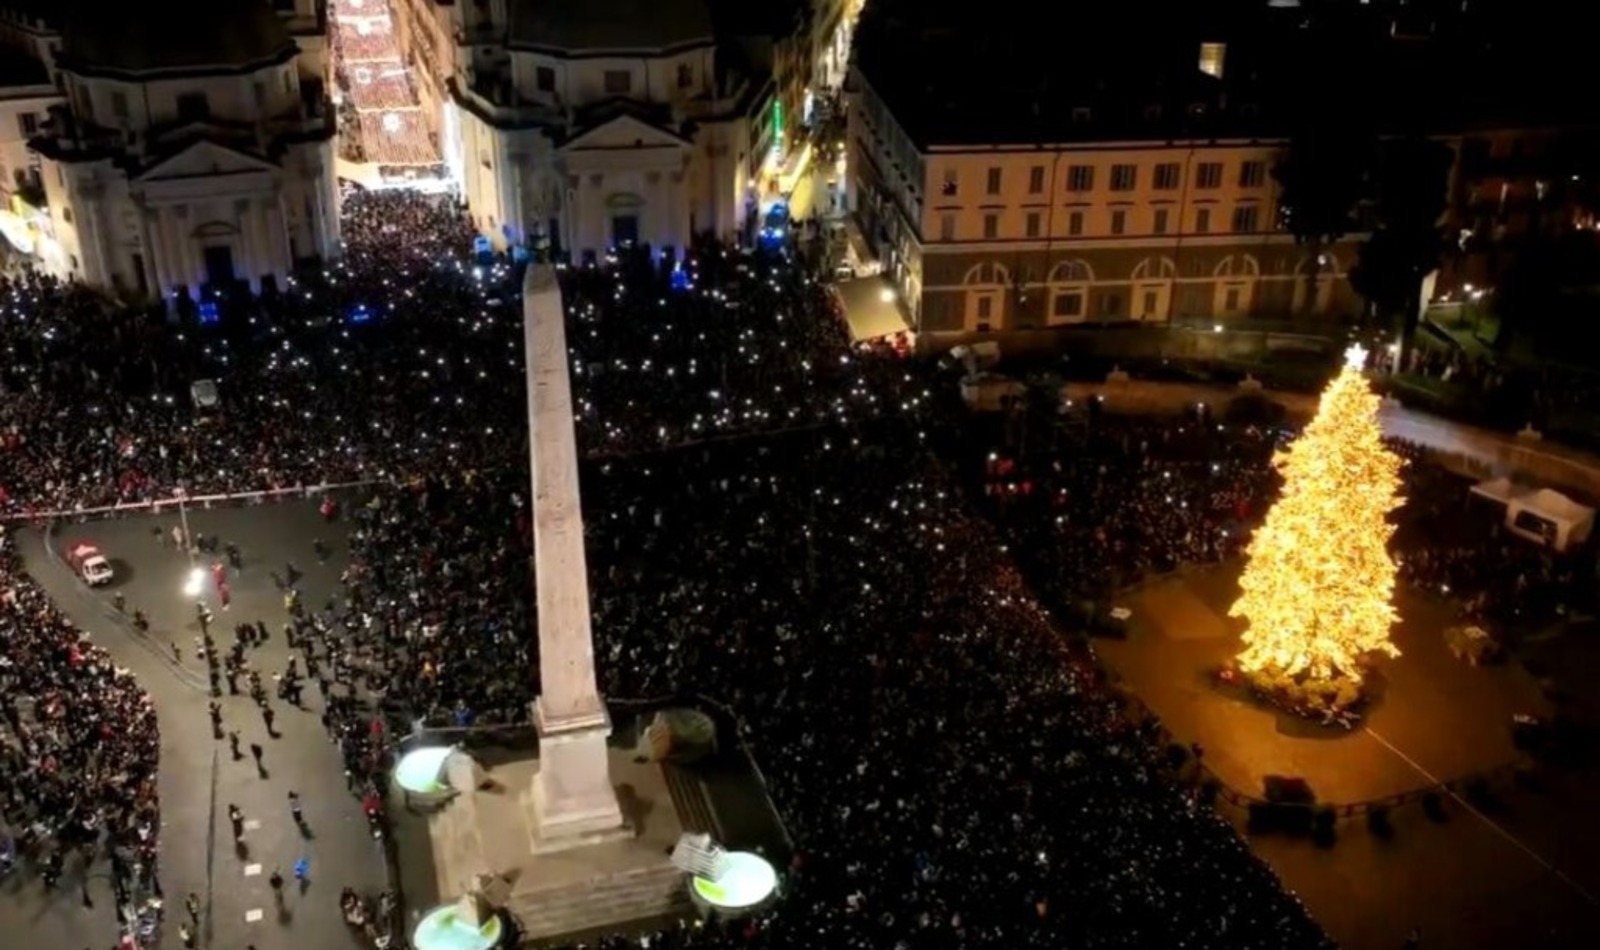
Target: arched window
(1237,266)
(1314,278)
(986,285)
(1234,292)
(987,274)
(1069,291)
(1155,268)
(1152,288)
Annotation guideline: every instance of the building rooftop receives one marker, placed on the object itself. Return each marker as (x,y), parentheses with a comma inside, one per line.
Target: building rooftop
(587,25)
(1113,78)
(172,35)
(947,84)
(19,70)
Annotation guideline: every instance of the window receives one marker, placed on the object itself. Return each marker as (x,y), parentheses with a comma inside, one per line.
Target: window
(29,123)
(1231,299)
(1161,221)
(1124,177)
(949,188)
(985,307)
(1080,178)
(193,107)
(1246,219)
(1167,176)
(1075,223)
(1208,175)
(991,226)
(991,185)
(685,75)
(119,103)
(1036,180)
(1202,220)
(1119,221)
(1034,224)
(947,227)
(619,82)
(1067,304)
(544,78)
(1151,304)
(1252,174)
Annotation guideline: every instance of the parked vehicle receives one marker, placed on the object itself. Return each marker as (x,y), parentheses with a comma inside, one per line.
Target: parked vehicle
(88,563)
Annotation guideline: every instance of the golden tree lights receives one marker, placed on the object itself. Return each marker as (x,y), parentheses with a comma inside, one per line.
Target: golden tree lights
(1318,581)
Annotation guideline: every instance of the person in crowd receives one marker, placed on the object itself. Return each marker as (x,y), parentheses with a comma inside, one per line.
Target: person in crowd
(776,517)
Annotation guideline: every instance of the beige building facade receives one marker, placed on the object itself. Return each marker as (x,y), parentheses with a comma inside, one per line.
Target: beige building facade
(984,239)
(584,128)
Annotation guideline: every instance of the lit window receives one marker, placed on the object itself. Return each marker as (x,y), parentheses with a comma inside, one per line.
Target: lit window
(391,122)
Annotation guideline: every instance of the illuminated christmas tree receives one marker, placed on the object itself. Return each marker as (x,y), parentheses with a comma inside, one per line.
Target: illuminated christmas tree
(1318,581)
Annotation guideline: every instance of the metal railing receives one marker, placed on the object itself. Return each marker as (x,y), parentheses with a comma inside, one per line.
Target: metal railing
(158,505)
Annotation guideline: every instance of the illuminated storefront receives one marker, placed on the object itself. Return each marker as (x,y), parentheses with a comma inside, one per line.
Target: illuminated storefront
(29,231)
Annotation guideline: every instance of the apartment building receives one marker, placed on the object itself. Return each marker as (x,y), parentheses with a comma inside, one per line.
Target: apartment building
(1128,196)
(427,33)
(1510,190)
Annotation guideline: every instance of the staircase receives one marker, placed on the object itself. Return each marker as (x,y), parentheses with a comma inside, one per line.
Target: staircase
(607,900)
(690,800)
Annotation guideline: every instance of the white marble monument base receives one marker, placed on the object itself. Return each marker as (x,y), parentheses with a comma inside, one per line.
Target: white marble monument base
(571,802)
(612,883)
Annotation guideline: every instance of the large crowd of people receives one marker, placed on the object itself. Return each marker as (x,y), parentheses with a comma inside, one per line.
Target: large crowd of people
(768,522)
(79,750)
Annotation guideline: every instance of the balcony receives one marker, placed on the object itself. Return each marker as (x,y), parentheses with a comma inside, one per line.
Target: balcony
(494,97)
(64,139)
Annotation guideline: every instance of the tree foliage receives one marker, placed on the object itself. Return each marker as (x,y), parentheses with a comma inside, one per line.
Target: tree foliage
(1321,179)
(1318,585)
(1410,195)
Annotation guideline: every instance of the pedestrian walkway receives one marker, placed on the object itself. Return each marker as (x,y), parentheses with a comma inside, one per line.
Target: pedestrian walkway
(381,114)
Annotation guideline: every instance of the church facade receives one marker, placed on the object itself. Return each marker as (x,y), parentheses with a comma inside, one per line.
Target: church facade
(189,162)
(582,130)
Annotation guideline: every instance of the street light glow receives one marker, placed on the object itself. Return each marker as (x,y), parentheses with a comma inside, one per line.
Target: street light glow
(196,581)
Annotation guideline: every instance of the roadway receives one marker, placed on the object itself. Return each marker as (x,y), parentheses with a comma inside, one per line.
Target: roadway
(199,778)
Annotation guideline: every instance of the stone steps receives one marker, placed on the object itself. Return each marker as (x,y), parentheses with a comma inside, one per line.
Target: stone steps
(690,799)
(622,898)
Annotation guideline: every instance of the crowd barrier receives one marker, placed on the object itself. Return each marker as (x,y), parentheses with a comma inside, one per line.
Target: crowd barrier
(158,505)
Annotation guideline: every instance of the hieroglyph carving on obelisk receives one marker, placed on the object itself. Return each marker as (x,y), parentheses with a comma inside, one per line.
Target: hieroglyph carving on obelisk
(573,802)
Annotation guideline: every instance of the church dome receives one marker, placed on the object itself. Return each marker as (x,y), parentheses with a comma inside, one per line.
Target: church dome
(173,35)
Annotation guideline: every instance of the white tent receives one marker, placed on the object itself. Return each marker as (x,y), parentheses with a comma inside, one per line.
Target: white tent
(1499,490)
(1550,518)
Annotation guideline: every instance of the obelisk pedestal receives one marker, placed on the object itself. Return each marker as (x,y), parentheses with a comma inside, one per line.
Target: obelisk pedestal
(572,802)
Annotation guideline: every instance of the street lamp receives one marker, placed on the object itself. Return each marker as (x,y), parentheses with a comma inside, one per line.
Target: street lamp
(183,519)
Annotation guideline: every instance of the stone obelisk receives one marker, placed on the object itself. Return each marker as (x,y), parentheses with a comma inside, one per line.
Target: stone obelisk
(573,802)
